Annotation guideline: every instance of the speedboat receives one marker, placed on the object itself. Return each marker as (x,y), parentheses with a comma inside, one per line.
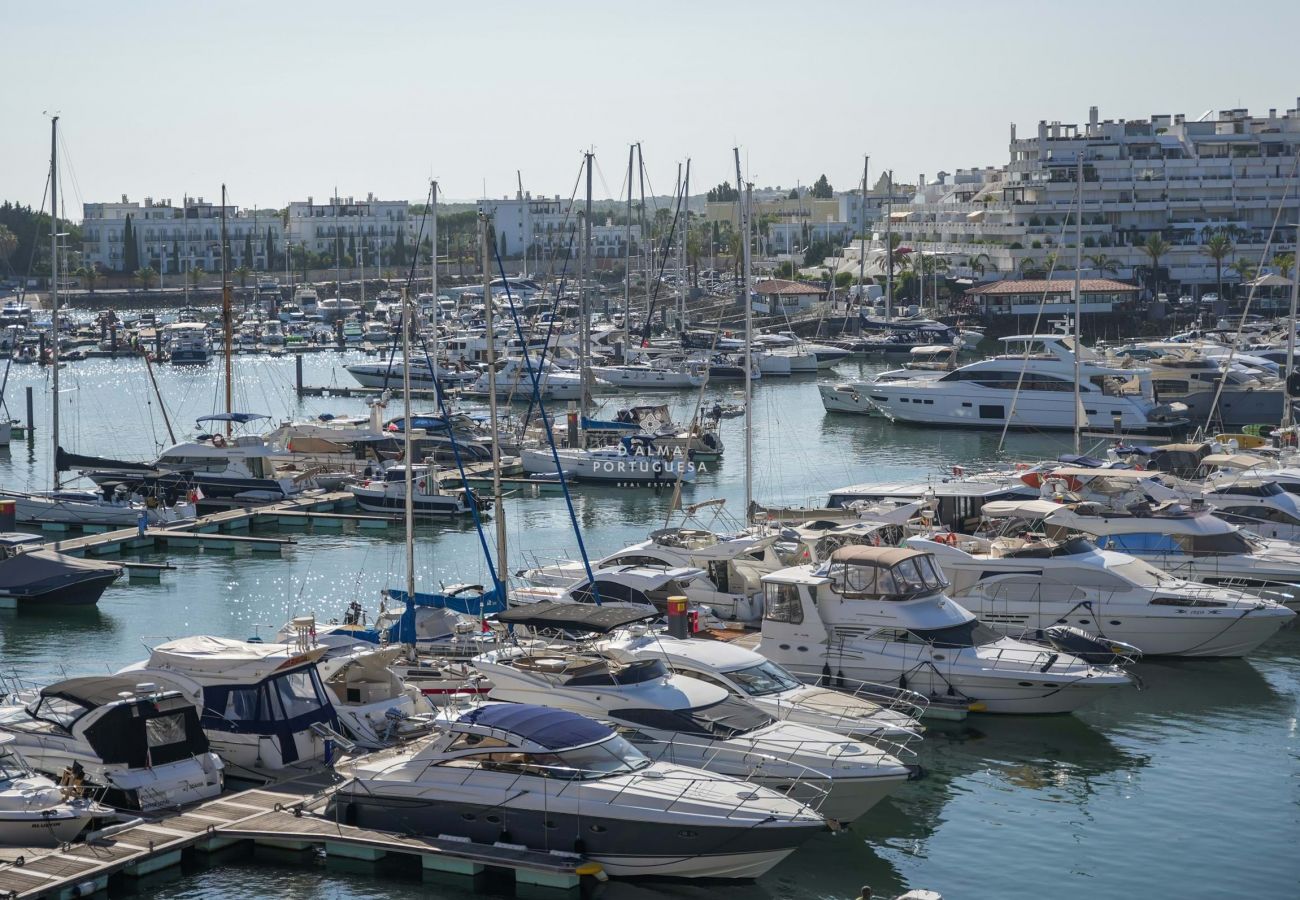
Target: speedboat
(880,614)
(1020,582)
(76,507)
(555,781)
(36,578)
(668,715)
(137,746)
(627,463)
(34,811)
(866,713)
(388,375)
(376,708)
(429,498)
(264,707)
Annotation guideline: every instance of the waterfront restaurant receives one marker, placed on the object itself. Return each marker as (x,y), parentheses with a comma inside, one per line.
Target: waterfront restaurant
(1023,297)
(777,296)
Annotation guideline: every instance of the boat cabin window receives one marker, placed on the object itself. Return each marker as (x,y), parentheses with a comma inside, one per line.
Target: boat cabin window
(257,466)
(764,678)
(147,733)
(1264,489)
(782,603)
(967,634)
(242,704)
(1232,542)
(635,672)
(469,741)
(907,578)
(610,592)
(1247,515)
(161,731)
(722,720)
(614,756)
(300,692)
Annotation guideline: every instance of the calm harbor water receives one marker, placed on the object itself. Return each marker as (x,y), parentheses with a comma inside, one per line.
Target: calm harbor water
(1189,787)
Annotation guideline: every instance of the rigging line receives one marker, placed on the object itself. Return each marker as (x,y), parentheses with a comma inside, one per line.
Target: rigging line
(1038,316)
(533,374)
(654,299)
(1250,298)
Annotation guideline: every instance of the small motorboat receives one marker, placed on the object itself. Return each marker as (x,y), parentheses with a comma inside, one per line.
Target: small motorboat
(36,812)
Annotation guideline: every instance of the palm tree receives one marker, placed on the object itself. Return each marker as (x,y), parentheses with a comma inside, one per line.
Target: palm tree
(195,274)
(242,274)
(1244,268)
(1217,247)
(1284,263)
(1155,248)
(89,275)
(979,263)
(1104,264)
(145,276)
(8,244)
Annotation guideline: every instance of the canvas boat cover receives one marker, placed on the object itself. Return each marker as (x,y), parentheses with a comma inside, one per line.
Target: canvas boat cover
(230,660)
(39,570)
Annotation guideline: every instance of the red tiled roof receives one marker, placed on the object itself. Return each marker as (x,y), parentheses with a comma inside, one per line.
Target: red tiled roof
(1055,286)
(771,286)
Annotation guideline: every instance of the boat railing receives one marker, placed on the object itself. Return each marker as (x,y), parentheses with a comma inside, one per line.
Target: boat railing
(899,701)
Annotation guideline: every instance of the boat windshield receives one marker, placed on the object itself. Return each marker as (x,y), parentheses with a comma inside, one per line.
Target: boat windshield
(59,711)
(1142,574)
(967,634)
(722,720)
(614,756)
(764,678)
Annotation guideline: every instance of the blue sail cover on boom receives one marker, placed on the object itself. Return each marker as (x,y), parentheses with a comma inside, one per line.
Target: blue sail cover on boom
(479,605)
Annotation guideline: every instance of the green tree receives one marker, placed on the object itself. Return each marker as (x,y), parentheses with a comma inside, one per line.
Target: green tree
(1103,264)
(242,272)
(8,244)
(352,248)
(130,255)
(979,263)
(89,275)
(196,273)
(1245,270)
(399,249)
(821,189)
(248,248)
(1218,247)
(176,256)
(793,195)
(723,193)
(1155,247)
(270,251)
(145,276)
(1284,263)
(843,279)
(501,245)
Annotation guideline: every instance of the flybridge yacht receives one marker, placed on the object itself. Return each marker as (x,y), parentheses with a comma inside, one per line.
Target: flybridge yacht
(217,466)
(514,380)
(659,374)
(1030,386)
(864,712)
(931,361)
(1019,581)
(552,780)
(672,716)
(140,745)
(879,614)
(388,375)
(1182,373)
(387,494)
(1191,543)
(264,707)
(956,501)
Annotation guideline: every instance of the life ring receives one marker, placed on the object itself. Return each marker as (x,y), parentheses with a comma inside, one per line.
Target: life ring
(218,441)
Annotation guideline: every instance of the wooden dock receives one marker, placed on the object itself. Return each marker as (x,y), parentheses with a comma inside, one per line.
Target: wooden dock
(286,816)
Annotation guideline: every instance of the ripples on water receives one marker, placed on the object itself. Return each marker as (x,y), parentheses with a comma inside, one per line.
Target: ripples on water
(1189,788)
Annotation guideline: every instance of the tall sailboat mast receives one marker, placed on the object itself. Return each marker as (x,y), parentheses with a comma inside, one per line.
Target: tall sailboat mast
(862,256)
(627,254)
(746,196)
(433,280)
(227,317)
(408,506)
(1078,302)
(584,327)
(1288,417)
(54,292)
(488,321)
(889,250)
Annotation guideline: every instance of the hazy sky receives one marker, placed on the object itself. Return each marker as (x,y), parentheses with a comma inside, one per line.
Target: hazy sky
(287,99)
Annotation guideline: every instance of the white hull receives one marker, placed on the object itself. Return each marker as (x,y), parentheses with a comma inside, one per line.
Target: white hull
(595,466)
(934,402)
(726,865)
(848,398)
(35,508)
(34,829)
(647,379)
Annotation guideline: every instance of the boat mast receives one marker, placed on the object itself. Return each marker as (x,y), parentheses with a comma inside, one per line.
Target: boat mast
(1078,301)
(408,506)
(1288,418)
(889,250)
(54,291)
(227,323)
(498,509)
(584,327)
(749,323)
(647,263)
(433,281)
(627,255)
(684,277)
(862,255)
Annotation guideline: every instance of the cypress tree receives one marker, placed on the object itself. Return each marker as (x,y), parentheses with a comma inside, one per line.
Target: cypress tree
(176,256)
(130,259)
(248,249)
(399,249)
(352,248)
(270,250)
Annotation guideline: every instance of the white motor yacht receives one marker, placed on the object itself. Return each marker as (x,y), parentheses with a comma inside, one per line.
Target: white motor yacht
(673,716)
(387,494)
(1031,386)
(623,464)
(138,746)
(34,811)
(864,712)
(552,780)
(1021,582)
(880,614)
(265,710)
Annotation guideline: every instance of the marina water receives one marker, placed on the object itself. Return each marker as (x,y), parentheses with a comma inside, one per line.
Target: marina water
(1187,788)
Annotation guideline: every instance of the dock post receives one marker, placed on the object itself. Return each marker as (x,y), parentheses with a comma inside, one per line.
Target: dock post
(157,343)
(297,374)
(31,418)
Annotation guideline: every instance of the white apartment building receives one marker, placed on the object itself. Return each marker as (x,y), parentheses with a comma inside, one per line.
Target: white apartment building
(175,239)
(343,222)
(1168,175)
(544,228)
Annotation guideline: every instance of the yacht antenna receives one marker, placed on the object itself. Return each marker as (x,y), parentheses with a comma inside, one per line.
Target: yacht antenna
(1078,301)
(227,325)
(54,289)
(498,509)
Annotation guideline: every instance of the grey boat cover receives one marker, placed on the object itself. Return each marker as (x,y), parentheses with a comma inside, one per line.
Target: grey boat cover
(39,570)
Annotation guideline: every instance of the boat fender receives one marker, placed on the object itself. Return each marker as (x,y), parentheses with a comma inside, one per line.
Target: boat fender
(1051,661)
(826,674)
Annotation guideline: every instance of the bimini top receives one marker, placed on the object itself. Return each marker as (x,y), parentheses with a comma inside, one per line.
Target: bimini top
(206,657)
(576,616)
(873,556)
(542,726)
(882,573)
(97,690)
